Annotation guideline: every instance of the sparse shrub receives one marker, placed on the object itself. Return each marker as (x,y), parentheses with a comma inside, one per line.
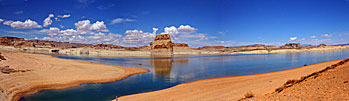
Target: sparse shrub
(249,95)
(291,82)
(279,89)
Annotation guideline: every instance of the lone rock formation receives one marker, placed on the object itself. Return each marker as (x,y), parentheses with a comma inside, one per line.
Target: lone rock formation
(162,46)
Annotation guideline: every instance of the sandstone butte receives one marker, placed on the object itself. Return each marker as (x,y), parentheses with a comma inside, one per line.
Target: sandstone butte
(23,73)
(162,46)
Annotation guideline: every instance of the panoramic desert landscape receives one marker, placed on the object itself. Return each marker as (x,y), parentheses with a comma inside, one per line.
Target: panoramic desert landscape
(174,50)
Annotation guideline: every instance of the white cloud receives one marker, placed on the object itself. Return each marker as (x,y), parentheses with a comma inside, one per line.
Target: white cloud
(326,35)
(69,32)
(52,31)
(155,30)
(97,38)
(86,26)
(27,24)
(48,20)
(293,38)
(8,23)
(186,28)
(1,20)
(83,34)
(99,26)
(313,36)
(138,38)
(64,16)
(187,34)
(120,20)
(172,31)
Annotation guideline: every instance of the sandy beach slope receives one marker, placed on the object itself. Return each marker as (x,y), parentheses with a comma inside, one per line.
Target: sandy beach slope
(228,88)
(332,85)
(47,72)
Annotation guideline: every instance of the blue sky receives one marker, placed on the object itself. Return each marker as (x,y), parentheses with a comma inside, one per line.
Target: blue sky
(196,22)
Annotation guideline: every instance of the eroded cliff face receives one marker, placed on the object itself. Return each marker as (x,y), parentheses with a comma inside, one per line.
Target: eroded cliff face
(239,48)
(162,46)
(291,46)
(21,42)
(322,45)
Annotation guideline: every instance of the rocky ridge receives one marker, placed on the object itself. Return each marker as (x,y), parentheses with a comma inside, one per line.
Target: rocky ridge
(162,44)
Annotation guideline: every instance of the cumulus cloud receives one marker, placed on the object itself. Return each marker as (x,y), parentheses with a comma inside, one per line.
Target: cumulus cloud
(64,16)
(138,37)
(83,34)
(186,28)
(111,38)
(293,38)
(97,38)
(99,26)
(120,20)
(326,35)
(8,23)
(52,31)
(70,32)
(48,20)
(313,36)
(184,34)
(86,26)
(188,34)
(27,24)
(155,30)
(172,31)
(1,20)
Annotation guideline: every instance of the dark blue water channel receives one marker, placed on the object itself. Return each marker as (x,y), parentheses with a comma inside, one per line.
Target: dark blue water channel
(165,73)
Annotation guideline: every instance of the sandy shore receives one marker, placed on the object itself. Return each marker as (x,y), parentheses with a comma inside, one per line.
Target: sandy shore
(47,72)
(332,85)
(228,88)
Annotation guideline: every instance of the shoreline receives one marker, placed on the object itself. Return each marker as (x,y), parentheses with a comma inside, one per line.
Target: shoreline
(229,88)
(330,84)
(90,52)
(47,72)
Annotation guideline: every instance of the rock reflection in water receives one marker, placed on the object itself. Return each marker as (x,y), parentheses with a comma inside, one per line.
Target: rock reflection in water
(162,67)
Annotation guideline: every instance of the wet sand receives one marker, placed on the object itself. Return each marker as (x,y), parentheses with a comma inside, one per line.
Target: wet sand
(228,88)
(46,72)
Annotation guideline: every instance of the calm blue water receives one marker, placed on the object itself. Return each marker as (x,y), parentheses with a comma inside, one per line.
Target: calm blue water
(165,73)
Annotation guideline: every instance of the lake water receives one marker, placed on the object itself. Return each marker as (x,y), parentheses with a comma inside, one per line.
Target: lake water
(165,73)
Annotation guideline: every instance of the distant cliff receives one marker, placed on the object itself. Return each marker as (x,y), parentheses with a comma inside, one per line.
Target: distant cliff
(161,46)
